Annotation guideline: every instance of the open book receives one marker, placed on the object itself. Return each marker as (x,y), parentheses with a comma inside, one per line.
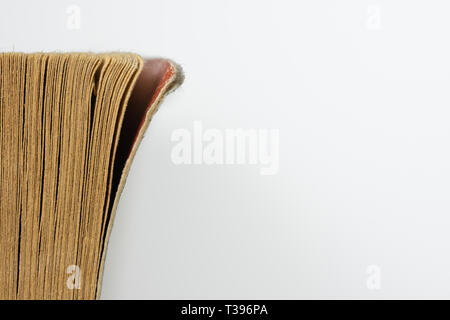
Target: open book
(69,128)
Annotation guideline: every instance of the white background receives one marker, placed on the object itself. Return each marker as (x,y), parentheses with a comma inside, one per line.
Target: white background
(359,91)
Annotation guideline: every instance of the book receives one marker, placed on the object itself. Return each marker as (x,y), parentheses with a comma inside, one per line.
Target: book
(70,124)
